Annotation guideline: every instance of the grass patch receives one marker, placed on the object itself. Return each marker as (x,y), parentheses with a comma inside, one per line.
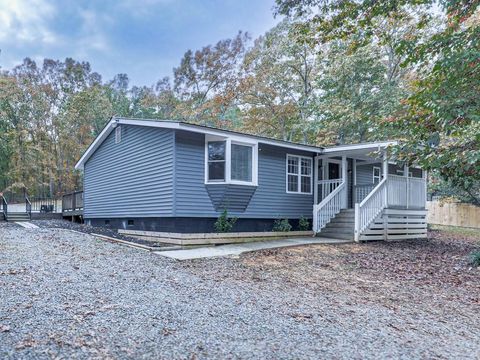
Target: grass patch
(475,233)
(475,258)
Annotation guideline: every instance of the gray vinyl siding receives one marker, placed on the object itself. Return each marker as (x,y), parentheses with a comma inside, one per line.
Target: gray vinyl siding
(269,200)
(133,178)
(365,173)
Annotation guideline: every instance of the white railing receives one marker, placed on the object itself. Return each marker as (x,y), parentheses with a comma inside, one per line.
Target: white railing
(406,192)
(360,192)
(370,207)
(397,191)
(325,187)
(329,207)
(417,193)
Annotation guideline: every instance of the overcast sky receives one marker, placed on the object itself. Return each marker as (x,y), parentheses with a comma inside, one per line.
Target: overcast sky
(143,38)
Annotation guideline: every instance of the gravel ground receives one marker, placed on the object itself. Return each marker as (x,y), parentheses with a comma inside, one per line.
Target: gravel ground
(69,295)
(87,229)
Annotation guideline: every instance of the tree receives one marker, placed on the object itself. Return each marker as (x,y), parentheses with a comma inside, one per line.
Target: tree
(440,124)
(276,89)
(205,81)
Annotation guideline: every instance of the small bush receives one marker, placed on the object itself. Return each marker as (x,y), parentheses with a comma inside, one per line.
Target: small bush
(224,223)
(475,258)
(303,224)
(281,225)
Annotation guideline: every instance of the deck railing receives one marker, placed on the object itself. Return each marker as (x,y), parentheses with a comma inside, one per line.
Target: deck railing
(28,206)
(393,191)
(406,192)
(4,204)
(329,207)
(72,201)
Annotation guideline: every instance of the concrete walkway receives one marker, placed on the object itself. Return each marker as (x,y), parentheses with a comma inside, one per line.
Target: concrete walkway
(237,249)
(26,225)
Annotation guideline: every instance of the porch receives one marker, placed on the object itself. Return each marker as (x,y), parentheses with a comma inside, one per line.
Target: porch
(360,195)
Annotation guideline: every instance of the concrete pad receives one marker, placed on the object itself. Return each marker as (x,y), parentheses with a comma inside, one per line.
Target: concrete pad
(26,225)
(237,249)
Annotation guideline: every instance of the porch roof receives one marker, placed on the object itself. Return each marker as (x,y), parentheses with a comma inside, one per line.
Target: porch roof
(363,151)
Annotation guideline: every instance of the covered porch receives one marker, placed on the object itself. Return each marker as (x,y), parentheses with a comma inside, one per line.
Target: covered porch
(360,182)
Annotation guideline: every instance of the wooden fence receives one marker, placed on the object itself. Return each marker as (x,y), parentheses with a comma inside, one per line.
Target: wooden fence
(453,214)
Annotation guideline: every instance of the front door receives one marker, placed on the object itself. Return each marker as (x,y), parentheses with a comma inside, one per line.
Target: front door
(334,170)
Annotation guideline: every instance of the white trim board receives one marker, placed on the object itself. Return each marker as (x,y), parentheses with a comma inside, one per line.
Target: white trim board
(175,125)
(234,136)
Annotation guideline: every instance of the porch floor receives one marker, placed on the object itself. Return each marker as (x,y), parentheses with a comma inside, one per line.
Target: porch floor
(237,249)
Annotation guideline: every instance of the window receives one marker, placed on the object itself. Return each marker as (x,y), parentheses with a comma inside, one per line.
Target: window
(402,173)
(377,174)
(241,162)
(229,161)
(216,160)
(299,174)
(118,134)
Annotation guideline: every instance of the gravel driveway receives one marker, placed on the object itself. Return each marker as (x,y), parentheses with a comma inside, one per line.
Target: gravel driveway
(69,295)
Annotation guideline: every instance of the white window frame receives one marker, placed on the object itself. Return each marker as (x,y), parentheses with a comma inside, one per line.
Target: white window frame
(228,160)
(379,177)
(118,134)
(299,175)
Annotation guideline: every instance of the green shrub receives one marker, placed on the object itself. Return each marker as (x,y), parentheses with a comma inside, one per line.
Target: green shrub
(281,225)
(224,223)
(475,258)
(303,224)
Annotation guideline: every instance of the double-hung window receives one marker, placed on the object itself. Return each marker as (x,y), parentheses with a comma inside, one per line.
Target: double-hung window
(216,161)
(242,164)
(299,174)
(229,161)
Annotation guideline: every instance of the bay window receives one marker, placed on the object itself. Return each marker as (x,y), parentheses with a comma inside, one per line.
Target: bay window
(229,161)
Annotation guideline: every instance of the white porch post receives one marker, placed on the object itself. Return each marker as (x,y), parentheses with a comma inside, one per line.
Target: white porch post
(354,175)
(315,182)
(344,179)
(425,177)
(385,174)
(407,194)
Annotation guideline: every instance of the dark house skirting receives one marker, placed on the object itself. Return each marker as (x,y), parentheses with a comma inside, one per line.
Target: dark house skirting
(185,224)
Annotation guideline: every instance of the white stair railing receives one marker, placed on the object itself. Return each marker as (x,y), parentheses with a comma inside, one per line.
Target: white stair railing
(370,207)
(329,207)
(325,187)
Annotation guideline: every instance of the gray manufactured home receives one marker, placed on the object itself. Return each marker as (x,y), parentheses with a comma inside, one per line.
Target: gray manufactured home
(176,177)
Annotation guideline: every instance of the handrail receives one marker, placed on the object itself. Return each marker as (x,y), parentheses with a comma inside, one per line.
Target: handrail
(375,189)
(328,208)
(370,207)
(4,208)
(28,206)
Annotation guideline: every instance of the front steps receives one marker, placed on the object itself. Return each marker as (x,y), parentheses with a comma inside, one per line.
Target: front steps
(342,226)
(391,224)
(17,216)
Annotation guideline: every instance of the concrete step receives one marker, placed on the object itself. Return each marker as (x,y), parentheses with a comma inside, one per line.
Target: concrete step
(345,217)
(337,230)
(342,220)
(335,236)
(346,225)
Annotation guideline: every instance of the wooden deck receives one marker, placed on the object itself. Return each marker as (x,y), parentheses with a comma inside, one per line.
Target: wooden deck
(72,204)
